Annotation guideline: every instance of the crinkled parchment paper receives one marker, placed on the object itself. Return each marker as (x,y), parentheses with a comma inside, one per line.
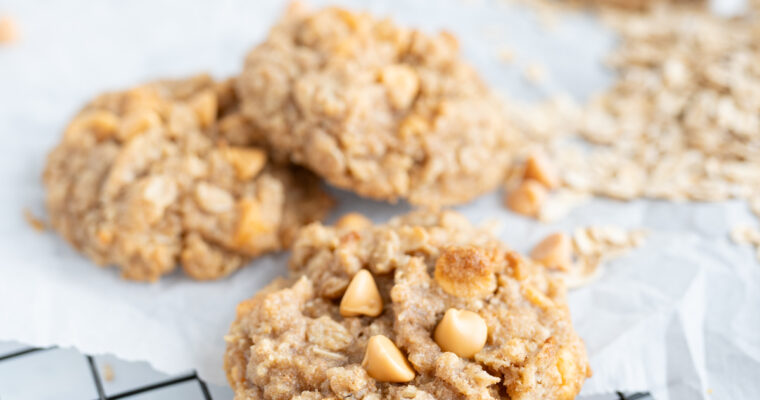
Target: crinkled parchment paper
(679,316)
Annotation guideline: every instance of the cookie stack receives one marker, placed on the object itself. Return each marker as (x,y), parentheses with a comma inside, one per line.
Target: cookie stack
(208,175)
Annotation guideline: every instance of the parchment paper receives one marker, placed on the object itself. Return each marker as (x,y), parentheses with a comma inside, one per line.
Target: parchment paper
(679,317)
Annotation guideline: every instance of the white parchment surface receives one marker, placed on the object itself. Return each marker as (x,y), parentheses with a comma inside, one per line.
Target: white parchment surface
(679,317)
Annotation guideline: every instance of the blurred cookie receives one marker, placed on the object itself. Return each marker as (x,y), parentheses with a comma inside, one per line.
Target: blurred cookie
(424,307)
(384,111)
(144,179)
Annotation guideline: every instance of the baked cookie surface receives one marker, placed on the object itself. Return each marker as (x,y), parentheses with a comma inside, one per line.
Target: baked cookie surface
(440,283)
(381,110)
(145,179)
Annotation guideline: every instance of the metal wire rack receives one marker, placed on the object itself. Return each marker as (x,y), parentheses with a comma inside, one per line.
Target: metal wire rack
(181,379)
(98,382)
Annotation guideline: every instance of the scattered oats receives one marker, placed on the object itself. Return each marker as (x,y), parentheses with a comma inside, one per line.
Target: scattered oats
(108,373)
(36,223)
(754,204)
(594,245)
(493,226)
(327,353)
(745,235)
(8,30)
(680,123)
(560,203)
(535,73)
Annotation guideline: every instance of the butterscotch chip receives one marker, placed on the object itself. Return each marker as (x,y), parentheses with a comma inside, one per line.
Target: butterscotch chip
(138,122)
(555,251)
(205,106)
(526,198)
(461,332)
(248,162)
(139,181)
(385,362)
(466,271)
(516,341)
(361,297)
(539,168)
(385,111)
(8,30)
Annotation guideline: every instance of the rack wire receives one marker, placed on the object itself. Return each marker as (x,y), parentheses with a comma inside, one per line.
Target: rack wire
(98,382)
(192,376)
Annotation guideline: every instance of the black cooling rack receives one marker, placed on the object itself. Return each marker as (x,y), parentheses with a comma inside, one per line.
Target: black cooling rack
(98,382)
(193,376)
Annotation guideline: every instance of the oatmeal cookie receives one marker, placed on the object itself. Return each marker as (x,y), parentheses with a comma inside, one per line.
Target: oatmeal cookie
(147,179)
(424,307)
(381,110)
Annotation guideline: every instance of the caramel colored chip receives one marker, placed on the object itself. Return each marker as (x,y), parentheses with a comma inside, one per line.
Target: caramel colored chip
(466,271)
(252,225)
(361,297)
(461,332)
(353,221)
(136,123)
(555,251)
(539,168)
(402,84)
(527,198)
(100,123)
(384,361)
(248,162)
(8,30)
(205,106)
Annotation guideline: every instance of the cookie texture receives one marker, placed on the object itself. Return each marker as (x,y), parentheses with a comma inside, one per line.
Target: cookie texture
(290,340)
(375,108)
(150,178)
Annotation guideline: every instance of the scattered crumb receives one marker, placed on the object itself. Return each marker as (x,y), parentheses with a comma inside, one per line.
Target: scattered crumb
(8,30)
(535,73)
(108,373)
(506,55)
(36,223)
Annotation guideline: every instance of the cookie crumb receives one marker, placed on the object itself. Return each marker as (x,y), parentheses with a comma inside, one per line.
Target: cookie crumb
(8,30)
(506,55)
(108,373)
(36,223)
(535,73)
